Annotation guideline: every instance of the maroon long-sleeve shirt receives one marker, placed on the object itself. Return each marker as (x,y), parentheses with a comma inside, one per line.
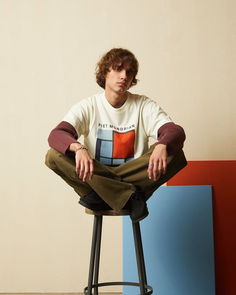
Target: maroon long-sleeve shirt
(170,134)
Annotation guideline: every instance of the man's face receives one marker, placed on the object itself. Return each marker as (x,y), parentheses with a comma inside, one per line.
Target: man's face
(119,79)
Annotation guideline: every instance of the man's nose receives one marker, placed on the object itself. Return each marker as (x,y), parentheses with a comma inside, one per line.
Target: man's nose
(123,74)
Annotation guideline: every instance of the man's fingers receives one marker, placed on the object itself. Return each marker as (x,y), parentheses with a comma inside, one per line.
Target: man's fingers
(81,171)
(149,170)
(84,165)
(160,166)
(158,162)
(86,170)
(164,166)
(91,168)
(85,175)
(77,169)
(154,171)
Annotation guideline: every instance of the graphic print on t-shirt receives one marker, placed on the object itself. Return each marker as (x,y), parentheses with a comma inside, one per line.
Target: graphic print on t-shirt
(114,148)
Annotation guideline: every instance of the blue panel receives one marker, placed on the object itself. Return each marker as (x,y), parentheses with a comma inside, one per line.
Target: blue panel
(129,159)
(178,243)
(118,161)
(105,161)
(105,134)
(106,149)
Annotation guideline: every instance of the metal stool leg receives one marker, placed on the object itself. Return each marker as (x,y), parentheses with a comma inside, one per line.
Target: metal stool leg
(97,256)
(95,261)
(140,257)
(92,255)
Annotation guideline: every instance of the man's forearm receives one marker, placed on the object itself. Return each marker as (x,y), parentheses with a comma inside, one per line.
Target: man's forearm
(62,137)
(173,136)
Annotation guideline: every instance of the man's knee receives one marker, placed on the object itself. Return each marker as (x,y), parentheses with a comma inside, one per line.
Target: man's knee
(177,163)
(50,159)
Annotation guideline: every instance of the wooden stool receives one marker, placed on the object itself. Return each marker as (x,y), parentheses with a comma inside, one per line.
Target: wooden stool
(95,255)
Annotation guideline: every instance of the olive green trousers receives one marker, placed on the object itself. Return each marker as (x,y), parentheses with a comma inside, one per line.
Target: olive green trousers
(114,184)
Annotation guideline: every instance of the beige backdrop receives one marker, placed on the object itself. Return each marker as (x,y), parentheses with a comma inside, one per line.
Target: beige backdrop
(48,52)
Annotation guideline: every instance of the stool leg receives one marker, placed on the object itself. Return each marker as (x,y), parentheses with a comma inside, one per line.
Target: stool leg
(97,256)
(140,257)
(92,255)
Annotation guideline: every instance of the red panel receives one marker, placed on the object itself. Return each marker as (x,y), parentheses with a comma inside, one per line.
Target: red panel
(222,176)
(123,144)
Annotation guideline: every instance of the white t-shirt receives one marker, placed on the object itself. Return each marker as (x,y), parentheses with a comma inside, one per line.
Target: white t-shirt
(116,135)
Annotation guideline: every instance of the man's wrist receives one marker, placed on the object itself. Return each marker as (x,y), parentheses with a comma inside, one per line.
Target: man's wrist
(81,147)
(74,146)
(161,144)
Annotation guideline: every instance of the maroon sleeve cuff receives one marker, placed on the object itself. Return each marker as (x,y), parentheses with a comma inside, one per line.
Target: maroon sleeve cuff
(62,137)
(173,136)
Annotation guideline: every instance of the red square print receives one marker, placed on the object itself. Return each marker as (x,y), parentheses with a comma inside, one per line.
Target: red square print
(123,144)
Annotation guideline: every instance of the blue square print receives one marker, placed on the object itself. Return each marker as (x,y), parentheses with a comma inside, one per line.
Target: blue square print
(105,134)
(129,159)
(106,149)
(105,161)
(118,161)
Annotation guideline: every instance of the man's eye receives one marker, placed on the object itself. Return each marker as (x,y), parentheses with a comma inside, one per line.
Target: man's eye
(117,68)
(129,73)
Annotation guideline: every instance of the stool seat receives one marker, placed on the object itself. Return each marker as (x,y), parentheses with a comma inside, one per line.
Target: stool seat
(93,283)
(108,212)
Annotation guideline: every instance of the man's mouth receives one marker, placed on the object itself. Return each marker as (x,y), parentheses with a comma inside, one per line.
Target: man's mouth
(121,84)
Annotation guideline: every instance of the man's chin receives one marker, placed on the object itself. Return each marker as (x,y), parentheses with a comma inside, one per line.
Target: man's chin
(122,89)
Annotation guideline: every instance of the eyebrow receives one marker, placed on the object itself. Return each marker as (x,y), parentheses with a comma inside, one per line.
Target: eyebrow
(122,66)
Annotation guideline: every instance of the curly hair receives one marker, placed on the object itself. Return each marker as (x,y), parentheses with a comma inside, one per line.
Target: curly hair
(116,58)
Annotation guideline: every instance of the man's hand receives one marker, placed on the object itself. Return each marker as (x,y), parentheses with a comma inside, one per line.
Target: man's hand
(157,162)
(83,162)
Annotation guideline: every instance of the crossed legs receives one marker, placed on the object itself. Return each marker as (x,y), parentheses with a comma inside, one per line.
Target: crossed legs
(114,185)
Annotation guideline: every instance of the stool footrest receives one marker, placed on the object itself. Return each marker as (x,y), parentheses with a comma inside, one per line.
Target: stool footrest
(148,288)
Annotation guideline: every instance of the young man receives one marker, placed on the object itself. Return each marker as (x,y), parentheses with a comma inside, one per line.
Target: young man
(114,168)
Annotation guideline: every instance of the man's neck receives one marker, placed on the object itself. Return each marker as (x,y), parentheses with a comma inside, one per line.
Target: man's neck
(116,99)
